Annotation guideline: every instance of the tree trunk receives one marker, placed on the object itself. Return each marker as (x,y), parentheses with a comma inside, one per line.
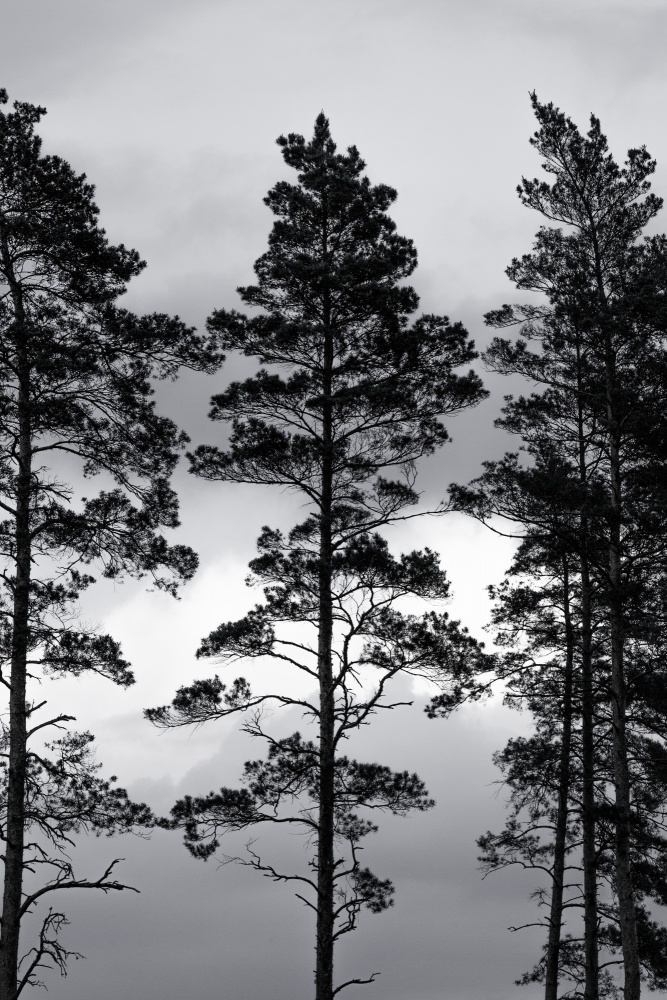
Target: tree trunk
(592,988)
(589,852)
(16,778)
(325,838)
(558,874)
(624,886)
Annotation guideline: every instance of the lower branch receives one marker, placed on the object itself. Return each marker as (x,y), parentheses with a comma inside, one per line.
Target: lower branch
(356,982)
(48,947)
(63,881)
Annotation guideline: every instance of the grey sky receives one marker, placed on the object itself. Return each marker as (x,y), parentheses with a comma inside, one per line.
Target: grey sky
(172,109)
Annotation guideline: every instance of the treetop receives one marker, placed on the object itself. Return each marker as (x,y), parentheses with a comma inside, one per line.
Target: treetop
(48,220)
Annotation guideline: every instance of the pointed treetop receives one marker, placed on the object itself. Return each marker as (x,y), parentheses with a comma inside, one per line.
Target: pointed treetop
(587,178)
(318,160)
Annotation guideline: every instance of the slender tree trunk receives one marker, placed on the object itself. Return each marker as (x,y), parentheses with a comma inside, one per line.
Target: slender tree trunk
(16,779)
(592,989)
(558,875)
(589,851)
(624,886)
(325,841)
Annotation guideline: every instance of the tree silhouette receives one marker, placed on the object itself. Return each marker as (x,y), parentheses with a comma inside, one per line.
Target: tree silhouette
(595,434)
(75,386)
(348,398)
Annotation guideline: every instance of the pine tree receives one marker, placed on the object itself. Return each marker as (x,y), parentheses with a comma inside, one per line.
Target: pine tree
(75,385)
(601,365)
(349,397)
(540,663)
(538,613)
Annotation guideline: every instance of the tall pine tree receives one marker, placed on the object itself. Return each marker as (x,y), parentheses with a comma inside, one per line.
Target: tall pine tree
(75,387)
(349,396)
(601,365)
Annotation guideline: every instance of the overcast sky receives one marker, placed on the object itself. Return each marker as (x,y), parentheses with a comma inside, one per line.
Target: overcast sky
(172,108)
